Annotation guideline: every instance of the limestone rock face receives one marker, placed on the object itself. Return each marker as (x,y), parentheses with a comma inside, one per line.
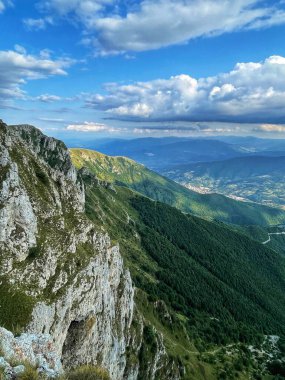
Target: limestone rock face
(81,298)
(37,349)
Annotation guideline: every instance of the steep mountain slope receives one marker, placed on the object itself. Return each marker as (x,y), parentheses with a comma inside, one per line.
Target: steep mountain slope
(126,172)
(258,179)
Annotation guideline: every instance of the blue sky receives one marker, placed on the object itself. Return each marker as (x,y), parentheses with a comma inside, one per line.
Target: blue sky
(82,68)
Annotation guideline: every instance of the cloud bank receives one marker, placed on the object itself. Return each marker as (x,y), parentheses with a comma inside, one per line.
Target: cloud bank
(253,92)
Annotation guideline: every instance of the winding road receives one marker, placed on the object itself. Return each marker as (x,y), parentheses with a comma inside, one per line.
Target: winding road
(272,233)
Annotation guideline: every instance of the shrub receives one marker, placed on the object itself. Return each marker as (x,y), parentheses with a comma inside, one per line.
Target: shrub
(33,252)
(41,175)
(88,372)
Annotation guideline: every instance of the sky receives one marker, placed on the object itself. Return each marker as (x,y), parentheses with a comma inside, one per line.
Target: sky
(103,68)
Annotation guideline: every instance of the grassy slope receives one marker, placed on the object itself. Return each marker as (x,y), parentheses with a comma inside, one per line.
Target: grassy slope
(222,286)
(126,172)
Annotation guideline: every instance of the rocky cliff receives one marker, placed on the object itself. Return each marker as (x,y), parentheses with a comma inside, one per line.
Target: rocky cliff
(64,288)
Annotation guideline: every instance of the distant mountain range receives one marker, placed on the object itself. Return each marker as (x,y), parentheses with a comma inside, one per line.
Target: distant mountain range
(161,154)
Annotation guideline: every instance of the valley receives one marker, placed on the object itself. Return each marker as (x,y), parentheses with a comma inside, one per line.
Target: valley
(257,179)
(243,169)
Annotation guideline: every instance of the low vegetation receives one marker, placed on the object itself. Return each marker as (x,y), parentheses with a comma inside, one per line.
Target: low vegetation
(30,373)
(88,373)
(15,308)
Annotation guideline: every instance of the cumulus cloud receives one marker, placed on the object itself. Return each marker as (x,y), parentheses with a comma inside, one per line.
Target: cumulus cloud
(92,127)
(17,67)
(152,24)
(251,92)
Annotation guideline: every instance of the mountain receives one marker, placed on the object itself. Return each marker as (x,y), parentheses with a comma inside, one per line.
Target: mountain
(95,273)
(256,144)
(66,297)
(258,179)
(159,153)
(123,171)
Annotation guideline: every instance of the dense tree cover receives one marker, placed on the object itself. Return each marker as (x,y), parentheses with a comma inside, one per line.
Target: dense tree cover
(208,269)
(230,287)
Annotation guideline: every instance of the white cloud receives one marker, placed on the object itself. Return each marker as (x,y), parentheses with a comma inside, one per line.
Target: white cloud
(92,127)
(51,120)
(152,24)
(83,10)
(37,23)
(47,98)
(17,67)
(269,128)
(251,92)
(4,4)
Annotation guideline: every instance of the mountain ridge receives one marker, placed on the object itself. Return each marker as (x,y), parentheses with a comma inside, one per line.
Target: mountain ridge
(127,172)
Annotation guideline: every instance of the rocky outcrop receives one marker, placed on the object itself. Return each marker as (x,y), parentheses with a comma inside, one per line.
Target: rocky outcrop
(90,322)
(37,349)
(81,298)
